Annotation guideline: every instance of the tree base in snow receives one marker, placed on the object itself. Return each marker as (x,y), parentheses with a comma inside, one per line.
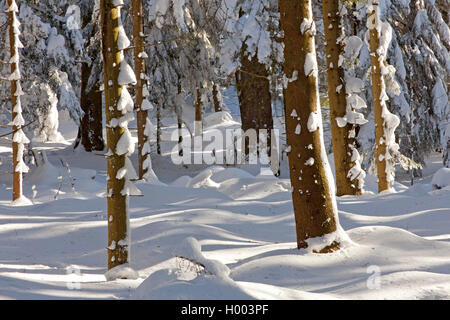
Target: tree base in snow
(22,201)
(121,272)
(335,246)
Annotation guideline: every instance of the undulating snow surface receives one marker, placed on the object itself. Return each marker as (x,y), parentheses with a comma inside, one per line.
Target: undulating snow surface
(214,233)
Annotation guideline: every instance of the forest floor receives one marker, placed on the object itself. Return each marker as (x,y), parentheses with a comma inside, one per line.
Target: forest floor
(236,223)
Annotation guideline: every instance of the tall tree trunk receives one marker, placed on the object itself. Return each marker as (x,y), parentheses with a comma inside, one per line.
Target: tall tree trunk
(91,127)
(377,88)
(90,133)
(19,138)
(312,192)
(117,201)
(338,104)
(255,100)
(139,69)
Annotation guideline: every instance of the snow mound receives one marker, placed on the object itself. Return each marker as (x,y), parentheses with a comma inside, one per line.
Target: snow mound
(218,118)
(230,173)
(441,178)
(182,182)
(211,279)
(385,263)
(45,174)
(203,180)
(22,201)
(191,249)
(122,271)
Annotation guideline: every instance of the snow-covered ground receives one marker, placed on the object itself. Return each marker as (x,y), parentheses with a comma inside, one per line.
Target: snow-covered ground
(228,233)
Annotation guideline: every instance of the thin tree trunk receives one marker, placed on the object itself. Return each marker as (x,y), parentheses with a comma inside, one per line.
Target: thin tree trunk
(117,202)
(139,69)
(179,112)
(158,127)
(338,104)
(19,138)
(314,203)
(377,88)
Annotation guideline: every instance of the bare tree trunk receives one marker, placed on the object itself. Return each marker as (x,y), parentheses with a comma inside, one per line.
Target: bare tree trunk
(314,202)
(336,93)
(255,100)
(139,69)
(377,88)
(117,202)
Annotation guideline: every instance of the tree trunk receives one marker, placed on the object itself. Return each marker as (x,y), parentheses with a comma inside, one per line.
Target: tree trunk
(312,192)
(377,88)
(255,100)
(117,202)
(90,133)
(139,68)
(158,127)
(18,137)
(179,114)
(91,127)
(198,125)
(337,97)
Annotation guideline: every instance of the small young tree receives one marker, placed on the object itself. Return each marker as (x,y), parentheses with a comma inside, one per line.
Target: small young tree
(313,195)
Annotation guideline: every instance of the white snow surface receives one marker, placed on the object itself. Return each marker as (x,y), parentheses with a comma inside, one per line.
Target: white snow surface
(441,179)
(231,238)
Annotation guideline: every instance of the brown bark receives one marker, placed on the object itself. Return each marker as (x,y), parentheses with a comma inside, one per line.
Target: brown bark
(117,207)
(17,175)
(338,103)
(91,127)
(314,206)
(255,100)
(139,68)
(377,84)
